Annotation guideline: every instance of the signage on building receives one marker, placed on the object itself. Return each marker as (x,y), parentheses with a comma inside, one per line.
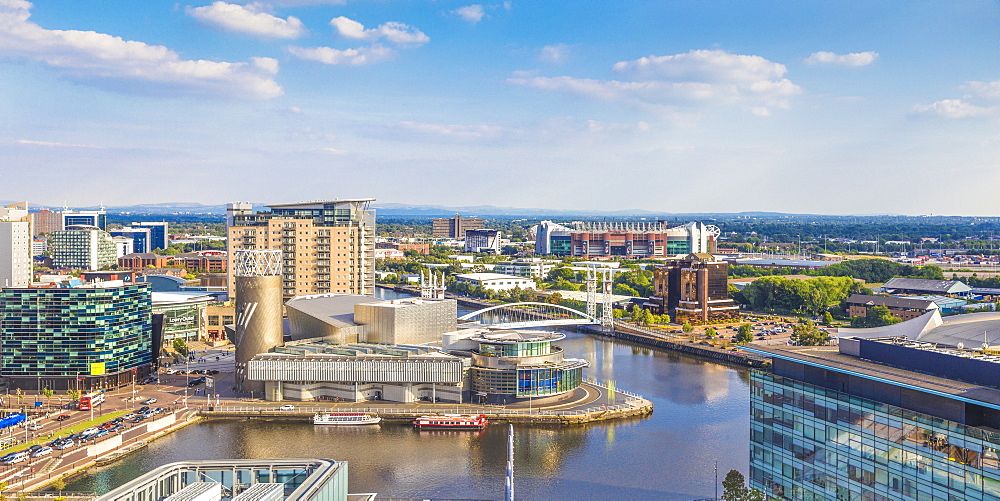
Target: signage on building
(97,369)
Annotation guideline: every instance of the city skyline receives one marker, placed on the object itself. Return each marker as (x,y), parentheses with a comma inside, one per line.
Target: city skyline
(834,108)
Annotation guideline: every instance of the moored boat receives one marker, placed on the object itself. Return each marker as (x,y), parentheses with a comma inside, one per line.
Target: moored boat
(451,422)
(345,418)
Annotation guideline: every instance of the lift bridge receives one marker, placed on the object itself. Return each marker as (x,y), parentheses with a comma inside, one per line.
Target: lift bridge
(534,314)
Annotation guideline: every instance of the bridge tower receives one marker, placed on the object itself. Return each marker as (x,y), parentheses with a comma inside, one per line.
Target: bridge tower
(606,276)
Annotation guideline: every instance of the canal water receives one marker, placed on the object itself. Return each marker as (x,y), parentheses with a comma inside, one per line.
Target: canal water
(701,415)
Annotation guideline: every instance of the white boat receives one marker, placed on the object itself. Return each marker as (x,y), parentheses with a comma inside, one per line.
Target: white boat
(345,418)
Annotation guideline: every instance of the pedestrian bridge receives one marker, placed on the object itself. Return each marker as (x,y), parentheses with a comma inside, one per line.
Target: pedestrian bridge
(528,314)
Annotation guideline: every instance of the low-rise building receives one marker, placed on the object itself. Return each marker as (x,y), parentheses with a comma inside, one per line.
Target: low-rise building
(142,260)
(526,267)
(496,281)
(925,286)
(902,308)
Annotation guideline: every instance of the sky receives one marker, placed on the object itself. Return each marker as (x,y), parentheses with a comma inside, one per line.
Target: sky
(701,106)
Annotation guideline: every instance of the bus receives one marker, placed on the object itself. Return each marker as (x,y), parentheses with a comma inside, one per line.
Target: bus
(91,400)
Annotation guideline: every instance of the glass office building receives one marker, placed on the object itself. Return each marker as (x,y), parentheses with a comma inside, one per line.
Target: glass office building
(510,365)
(861,424)
(53,336)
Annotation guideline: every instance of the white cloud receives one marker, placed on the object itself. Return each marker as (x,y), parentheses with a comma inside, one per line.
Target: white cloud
(702,66)
(332,151)
(29,142)
(697,77)
(471,13)
(953,108)
(852,59)
(249,19)
(395,32)
(555,54)
(352,57)
(454,131)
(301,3)
(988,90)
(98,57)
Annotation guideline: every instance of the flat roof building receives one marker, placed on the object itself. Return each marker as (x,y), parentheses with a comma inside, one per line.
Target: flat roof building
(15,246)
(100,332)
(82,247)
(496,281)
(454,227)
(902,308)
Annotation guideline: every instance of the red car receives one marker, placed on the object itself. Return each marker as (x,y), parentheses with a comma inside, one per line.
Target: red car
(62,417)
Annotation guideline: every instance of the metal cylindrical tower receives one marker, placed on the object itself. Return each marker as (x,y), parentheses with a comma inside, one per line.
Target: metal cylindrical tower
(258,309)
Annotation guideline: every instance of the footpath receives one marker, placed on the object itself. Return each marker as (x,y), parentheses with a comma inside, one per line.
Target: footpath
(41,472)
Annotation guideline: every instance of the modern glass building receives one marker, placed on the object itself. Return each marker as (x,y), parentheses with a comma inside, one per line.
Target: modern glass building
(51,337)
(859,423)
(510,365)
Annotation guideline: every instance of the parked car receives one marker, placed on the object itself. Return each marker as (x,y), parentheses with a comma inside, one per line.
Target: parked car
(117,420)
(18,457)
(142,409)
(65,445)
(172,371)
(286,407)
(158,410)
(101,433)
(117,427)
(129,416)
(88,431)
(33,448)
(43,451)
(149,401)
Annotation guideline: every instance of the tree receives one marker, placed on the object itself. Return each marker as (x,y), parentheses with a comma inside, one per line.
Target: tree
(181,347)
(48,393)
(710,332)
(827,318)
(744,335)
(876,316)
(734,487)
(687,327)
(808,334)
(59,484)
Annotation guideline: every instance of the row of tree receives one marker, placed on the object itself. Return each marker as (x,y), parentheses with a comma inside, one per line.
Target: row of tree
(812,296)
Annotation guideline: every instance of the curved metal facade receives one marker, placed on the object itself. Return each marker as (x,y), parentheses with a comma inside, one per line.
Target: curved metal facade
(258,322)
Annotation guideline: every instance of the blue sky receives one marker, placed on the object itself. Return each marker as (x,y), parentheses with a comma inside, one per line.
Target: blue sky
(822,107)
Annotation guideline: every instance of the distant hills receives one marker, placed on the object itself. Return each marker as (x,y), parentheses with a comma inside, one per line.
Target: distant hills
(428,211)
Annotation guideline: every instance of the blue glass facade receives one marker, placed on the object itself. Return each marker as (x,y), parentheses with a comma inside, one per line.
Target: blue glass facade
(140,239)
(158,237)
(60,332)
(813,443)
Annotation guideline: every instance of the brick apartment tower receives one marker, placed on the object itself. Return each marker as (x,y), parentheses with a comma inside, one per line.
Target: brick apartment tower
(454,227)
(694,288)
(327,246)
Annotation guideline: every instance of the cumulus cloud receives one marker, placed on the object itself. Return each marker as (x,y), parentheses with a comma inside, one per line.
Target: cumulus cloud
(696,77)
(988,90)
(249,19)
(981,102)
(395,32)
(97,57)
(302,3)
(852,59)
(555,54)
(350,57)
(471,13)
(953,108)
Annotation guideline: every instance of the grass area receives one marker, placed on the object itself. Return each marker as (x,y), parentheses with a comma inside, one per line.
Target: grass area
(66,431)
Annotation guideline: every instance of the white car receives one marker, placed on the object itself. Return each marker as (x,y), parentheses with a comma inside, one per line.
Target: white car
(172,371)
(88,431)
(286,407)
(44,451)
(35,426)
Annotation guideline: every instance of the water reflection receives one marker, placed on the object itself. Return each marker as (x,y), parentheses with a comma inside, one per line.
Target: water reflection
(701,414)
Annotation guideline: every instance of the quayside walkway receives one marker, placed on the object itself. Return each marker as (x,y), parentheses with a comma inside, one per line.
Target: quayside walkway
(591,402)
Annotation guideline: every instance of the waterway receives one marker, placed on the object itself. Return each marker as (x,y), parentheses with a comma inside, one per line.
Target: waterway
(701,415)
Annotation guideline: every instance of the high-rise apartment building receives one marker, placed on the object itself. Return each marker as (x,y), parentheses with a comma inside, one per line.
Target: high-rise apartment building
(327,246)
(51,336)
(159,237)
(98,218)
(45,221)
(454,227)
(15,246)
(83,247)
